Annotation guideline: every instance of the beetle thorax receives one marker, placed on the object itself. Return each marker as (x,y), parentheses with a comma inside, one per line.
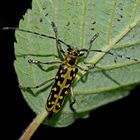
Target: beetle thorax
(72,57)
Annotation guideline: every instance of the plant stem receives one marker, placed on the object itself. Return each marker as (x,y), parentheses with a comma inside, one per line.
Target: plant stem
(33,126)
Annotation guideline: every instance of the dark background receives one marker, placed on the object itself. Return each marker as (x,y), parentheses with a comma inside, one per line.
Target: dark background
(120,119)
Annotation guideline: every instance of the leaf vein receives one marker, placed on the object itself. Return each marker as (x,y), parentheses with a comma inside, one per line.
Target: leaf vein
(111,22)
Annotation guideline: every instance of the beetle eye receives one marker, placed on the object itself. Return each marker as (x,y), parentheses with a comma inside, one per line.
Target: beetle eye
(74,54)
(78,51)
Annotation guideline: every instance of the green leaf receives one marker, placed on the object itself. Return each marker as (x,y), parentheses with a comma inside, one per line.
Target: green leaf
(118,25)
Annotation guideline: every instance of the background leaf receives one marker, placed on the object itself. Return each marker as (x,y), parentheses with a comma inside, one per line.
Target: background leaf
(75,22)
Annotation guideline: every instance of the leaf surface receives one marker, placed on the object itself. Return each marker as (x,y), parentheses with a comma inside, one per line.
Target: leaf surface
(118,25)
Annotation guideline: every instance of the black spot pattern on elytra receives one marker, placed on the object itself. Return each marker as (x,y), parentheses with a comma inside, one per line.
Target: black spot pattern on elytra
(73,72)
(51,97)
(62,67)
(68,82)
(61,71)
(56,88)
(57,108)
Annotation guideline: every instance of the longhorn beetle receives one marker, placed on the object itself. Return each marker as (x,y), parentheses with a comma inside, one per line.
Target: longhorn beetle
(67,70)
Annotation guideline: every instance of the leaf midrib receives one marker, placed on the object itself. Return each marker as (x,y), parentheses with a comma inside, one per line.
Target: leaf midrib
(107,48)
